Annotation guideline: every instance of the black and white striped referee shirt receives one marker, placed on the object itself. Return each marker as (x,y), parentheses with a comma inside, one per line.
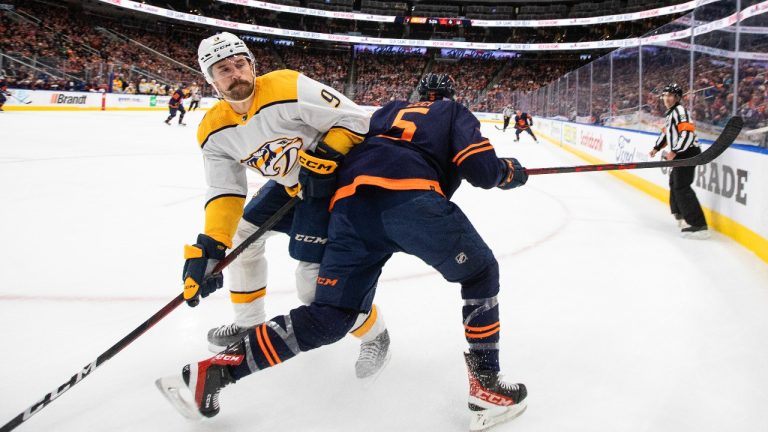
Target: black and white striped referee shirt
(678,131)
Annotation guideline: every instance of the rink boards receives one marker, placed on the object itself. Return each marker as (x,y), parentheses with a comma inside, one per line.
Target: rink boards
(46,100)
(732,189)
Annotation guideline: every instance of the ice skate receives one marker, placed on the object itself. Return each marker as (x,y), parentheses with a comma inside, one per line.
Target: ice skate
(374,355)
(182,124)
(225,335)
(168,122)
(695,232)
(491,400)
(192,399)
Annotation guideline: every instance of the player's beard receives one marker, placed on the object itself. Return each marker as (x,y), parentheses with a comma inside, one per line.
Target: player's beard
(239,90)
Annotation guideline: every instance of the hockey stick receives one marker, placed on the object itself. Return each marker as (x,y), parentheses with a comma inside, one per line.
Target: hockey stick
(26,102)
(726,138)
(497,127)
(146,325)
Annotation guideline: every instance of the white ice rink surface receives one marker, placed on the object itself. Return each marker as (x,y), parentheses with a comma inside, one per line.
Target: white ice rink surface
(612,321)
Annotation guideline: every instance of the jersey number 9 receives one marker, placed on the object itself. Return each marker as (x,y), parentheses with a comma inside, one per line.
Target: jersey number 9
(330,98)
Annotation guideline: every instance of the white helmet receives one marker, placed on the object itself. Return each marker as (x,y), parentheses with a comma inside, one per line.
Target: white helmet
(219,47)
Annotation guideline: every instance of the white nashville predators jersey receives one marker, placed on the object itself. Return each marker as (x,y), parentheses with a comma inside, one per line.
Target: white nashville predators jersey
(289,112)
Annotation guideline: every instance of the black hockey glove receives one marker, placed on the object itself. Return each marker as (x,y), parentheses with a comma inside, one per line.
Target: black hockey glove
(201,258)
(317,176)
(514,176)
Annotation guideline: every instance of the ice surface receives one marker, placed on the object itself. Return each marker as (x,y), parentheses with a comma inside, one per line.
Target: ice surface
(613,322)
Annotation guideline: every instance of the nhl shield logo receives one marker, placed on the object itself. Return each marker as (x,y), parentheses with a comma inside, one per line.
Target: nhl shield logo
(461,258)
(275,158)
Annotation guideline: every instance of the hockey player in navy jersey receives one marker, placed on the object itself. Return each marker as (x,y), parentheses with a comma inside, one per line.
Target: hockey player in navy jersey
(402,176)
(523,123)
(176,103)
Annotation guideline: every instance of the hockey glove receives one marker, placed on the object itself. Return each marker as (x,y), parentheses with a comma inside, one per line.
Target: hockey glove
(514,176)
(317,176)
(201,258)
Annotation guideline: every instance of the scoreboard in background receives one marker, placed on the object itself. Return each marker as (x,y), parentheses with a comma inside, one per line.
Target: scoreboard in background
(433,21)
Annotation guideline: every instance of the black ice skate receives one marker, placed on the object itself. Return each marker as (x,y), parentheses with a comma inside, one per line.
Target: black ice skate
(491,400)
(374,355)
(195,393)
(168,122)
(225,335)
(695,232)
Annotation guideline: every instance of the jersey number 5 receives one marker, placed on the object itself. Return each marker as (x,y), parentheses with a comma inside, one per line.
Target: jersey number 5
(408,127)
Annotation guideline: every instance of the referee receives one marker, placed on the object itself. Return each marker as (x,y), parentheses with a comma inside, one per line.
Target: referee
(679,134)
(508,112)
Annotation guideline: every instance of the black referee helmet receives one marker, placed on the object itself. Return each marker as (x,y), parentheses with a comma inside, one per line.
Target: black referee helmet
(673,88)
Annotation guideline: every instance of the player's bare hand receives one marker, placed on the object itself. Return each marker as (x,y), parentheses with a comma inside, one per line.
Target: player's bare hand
(669,156)
(653,152)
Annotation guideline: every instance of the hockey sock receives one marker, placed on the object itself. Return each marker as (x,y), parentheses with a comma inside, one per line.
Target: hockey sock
(283,337)
(481,316)
(368,325)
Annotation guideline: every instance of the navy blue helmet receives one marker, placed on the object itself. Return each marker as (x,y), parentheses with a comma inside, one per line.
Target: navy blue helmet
(436,86)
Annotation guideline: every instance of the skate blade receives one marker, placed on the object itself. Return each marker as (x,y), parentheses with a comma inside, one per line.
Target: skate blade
(180,397)
(486,419)
(370,380)
(698,235)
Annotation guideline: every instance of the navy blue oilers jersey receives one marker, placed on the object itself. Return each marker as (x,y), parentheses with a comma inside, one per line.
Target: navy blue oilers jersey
(176,98)
(421,146)
(523,120)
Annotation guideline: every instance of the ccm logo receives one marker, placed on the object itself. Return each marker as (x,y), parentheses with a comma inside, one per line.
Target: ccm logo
(493,398)
(310,239)
(326,281)
(314,165)
(233,359)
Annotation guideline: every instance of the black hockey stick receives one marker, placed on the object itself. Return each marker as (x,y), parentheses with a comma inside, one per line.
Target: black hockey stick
(146,325)
(726,138)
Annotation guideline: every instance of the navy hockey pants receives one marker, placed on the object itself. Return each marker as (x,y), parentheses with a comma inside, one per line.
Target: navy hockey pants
(364,231)
(306,223)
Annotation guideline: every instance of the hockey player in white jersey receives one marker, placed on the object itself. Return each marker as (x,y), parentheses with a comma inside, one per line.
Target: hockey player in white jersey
(265,124)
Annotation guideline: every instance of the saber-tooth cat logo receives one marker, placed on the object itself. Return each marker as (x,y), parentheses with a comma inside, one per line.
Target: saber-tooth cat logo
(275,158)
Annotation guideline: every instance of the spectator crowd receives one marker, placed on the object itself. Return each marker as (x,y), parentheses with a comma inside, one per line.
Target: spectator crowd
(45,46)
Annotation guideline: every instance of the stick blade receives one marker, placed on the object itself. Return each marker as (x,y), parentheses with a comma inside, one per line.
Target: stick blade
(729,134)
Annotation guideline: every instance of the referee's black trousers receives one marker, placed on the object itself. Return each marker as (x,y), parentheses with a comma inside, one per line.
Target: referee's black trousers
(682,198)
